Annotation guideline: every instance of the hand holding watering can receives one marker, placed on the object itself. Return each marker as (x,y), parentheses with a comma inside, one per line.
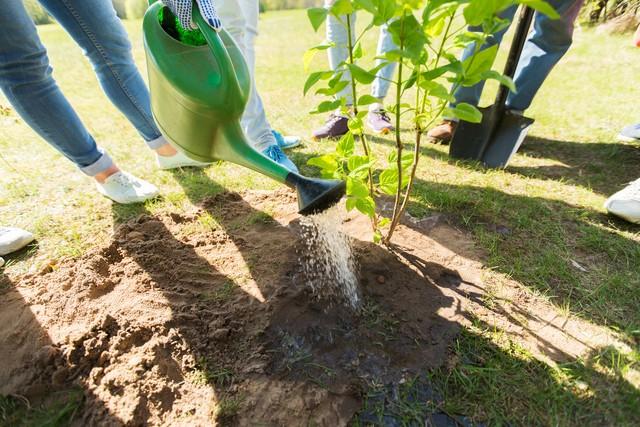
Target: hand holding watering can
(183,9)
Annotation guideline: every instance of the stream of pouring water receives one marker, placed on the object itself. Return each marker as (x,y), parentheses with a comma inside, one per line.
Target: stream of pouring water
(327,258)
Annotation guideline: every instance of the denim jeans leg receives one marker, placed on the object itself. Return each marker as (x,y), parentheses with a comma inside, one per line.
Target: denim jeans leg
(26,81)
(101,35)
(546,45)
(239,18)
(471,94)
(337,33)
(382,82)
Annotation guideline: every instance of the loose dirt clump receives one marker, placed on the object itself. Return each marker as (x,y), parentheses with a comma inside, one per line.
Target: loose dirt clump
(208,318)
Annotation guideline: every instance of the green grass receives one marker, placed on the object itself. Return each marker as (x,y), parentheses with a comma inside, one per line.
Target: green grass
(549,202)
(59,410)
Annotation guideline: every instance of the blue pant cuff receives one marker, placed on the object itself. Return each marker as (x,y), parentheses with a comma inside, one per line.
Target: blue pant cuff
(154,144)
(100,165)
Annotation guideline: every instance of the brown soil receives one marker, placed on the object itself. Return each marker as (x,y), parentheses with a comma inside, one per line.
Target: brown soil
(203,318)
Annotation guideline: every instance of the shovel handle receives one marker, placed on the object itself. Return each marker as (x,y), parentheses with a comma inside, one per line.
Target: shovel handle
(520,37)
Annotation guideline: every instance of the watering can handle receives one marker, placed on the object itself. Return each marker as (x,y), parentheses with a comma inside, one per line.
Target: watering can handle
(227,69)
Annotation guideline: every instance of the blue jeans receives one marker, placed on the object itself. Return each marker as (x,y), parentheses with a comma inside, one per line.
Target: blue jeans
(546,44)
(337,33)
(26,80)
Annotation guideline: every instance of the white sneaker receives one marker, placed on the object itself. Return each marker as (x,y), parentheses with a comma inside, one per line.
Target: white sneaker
(178,160)
(13,239)
(626,203)
(1,261)
(123,188)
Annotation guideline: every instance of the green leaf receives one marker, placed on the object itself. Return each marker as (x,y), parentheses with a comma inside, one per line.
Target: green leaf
(356,188)
(356,125)
(367,206)
(361,75)
(326,106)
(357,51)
(358,167)
(317,16)
(383,222)
(327,162)
(367,100)
(542,7)
(341,7)
(464,111)
(351,203)
(481,61)
(501,78)
(407,32)
(388,181)
(315,78)
(346,145)
(334,89)
(311,53)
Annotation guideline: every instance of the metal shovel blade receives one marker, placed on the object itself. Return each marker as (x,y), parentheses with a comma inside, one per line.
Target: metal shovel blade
(506,140)
(470,140)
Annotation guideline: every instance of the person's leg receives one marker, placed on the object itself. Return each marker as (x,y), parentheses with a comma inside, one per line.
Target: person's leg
(96,28)
(235,16)
(101,35)
(377,119)
(251,11)
(546,45)
(336,32)
(254,120)
(382,82)
(443,132)
(471,94)
(26,81)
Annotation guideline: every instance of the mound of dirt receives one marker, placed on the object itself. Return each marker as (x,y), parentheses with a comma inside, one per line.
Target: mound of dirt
(192,319)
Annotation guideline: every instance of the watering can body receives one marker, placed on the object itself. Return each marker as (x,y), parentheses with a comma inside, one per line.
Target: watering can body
(198,96)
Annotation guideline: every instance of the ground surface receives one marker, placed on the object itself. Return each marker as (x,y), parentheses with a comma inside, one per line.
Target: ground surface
(513,297)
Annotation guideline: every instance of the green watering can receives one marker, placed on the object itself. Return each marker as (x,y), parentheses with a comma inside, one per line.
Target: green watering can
(198,95)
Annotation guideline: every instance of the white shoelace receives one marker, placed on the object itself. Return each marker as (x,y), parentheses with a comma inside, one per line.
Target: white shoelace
(123,180)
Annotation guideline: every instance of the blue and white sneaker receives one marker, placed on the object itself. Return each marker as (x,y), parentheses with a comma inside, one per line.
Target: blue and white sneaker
(274,152)
(286,142)
(630,133)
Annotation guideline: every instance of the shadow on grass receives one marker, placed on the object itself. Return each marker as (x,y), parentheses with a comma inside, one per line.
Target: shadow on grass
(602,167)
(568,253)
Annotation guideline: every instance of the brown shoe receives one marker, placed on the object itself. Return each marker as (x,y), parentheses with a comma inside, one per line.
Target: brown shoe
(442,133)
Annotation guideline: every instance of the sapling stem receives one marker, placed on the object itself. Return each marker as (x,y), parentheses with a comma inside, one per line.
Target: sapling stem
(396,203)
(363,139)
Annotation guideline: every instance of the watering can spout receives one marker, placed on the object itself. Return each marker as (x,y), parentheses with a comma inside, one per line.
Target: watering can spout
(315,195)
(198,96)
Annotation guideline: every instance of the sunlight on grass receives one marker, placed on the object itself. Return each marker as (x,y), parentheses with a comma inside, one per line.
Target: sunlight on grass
(534,222)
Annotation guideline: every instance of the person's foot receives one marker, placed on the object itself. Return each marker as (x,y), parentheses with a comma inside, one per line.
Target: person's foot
(626,203)
(335,127)
(379,122)
(286,142)
(13,239)
(124,188)
(630,133)
(274,153)
(178,160)
(442,133)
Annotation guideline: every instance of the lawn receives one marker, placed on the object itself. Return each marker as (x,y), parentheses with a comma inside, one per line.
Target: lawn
(540,223)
